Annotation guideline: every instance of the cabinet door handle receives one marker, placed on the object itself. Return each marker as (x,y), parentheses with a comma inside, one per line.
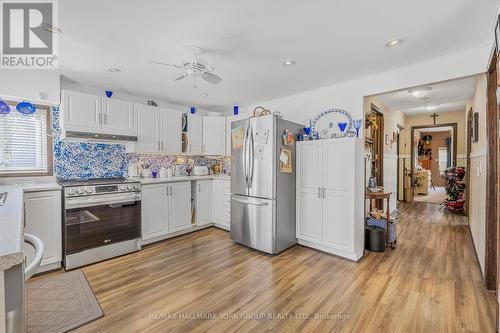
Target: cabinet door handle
(105,119)
(170,190)
(100,118)
(324,192)
(319,192)
(199,187)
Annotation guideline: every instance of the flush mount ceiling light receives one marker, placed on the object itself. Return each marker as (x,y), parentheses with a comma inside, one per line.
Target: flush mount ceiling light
(432,107)
(205,94)
(289,62)
(50,28)
(114,70)
(394,42)
(420,92)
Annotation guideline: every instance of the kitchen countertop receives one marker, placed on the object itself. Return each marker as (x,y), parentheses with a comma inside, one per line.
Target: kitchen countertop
(11,228)
(149,181)
(32,184)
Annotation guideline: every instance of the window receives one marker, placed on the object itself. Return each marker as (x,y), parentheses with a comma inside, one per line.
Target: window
(23,143)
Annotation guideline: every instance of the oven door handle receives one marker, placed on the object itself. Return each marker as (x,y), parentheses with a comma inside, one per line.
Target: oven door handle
(91,202)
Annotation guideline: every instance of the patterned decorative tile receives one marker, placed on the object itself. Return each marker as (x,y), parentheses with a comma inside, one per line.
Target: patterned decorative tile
(83,160)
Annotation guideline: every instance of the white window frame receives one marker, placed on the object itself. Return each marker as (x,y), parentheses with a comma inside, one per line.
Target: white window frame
(49,148)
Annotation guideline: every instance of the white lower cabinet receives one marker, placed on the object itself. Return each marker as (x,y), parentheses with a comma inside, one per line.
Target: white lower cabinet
(221,202)
(330,196)
(154,218)
(202,194)
(166,209)
(43,220)
(180,206)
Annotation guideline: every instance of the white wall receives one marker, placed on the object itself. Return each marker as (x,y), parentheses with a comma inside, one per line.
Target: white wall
(20,84)
(477,186)
(350,95)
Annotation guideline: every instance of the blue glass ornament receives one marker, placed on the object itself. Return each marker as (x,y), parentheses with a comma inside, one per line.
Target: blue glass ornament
(109,93)
(4,108)
(357,126)
(342,126)
(236,110)
(26,108)
(193,110)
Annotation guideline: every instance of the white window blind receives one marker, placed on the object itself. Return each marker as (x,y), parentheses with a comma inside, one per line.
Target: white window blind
(23,142)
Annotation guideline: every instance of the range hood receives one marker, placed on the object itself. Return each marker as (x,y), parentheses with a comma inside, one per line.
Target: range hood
(98,137)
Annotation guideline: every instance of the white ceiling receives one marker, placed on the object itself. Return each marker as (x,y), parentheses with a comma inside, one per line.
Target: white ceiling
(331,41)
(449,96)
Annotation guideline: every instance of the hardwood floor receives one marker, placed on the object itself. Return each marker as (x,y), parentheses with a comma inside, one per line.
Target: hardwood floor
(430,283)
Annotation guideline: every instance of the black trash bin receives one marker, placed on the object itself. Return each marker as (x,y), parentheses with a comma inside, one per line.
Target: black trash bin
(375,239)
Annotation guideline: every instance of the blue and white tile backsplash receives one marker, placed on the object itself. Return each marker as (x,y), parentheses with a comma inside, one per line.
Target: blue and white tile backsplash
(83,160)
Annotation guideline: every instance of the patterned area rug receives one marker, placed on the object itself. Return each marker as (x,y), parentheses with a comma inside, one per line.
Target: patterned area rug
(60,303)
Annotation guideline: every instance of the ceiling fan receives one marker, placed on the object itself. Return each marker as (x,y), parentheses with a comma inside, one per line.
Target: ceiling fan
(197,67)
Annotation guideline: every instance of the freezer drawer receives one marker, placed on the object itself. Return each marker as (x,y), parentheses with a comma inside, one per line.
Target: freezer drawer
(253,222)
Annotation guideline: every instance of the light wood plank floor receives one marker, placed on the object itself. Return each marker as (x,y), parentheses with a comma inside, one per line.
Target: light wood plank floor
(430,283)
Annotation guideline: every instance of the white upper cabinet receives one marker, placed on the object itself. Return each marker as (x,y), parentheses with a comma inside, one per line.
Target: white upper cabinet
(147,128)
(214,135)
(81,112)
(119,117)
(95,114)
(195,134)
(170,123)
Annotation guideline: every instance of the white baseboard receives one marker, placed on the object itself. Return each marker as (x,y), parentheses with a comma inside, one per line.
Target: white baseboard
(341,253)
(183,232)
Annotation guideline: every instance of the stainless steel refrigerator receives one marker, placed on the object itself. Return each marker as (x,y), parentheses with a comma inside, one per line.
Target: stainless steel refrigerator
(262,185)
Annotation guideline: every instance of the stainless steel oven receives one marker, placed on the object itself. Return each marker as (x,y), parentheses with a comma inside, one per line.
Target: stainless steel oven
(101,221)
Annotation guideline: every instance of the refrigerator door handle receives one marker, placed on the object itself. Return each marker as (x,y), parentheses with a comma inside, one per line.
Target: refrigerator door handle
(245,158)
(252,147)
(248,202)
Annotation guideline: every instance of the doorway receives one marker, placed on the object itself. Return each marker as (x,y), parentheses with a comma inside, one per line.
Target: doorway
(433,150)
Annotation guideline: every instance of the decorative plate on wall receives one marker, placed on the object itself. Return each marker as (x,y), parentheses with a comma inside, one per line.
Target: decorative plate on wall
(333,123)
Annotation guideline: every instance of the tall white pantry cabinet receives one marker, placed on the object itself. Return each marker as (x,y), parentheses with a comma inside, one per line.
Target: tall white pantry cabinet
(330,196)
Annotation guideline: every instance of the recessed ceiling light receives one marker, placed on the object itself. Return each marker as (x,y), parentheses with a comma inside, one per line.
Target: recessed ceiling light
(394,42)
(420,92)
(114,70)
(205,94)
(432,107)
(289,62)
(50,28)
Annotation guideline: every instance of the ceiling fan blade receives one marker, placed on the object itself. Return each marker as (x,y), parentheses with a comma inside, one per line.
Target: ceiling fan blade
(211,77)
(183,76)
(165,64)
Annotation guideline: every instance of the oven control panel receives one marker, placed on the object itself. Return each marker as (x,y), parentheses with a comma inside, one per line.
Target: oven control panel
(78,191)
